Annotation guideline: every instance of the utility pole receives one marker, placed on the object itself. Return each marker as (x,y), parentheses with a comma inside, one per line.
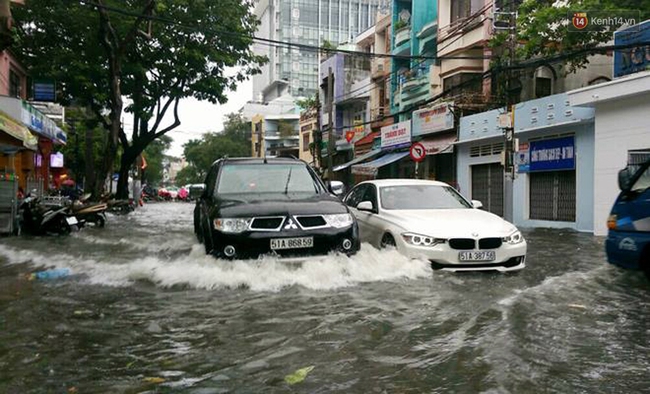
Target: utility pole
(507,122)
(330,127)
(318,136)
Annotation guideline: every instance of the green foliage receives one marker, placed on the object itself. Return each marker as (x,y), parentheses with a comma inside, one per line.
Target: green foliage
(154,155)
(184,52)
(400,24)
(79,122)
(286,128)
(200,154)
(328,45)
(307,103)
(542,29)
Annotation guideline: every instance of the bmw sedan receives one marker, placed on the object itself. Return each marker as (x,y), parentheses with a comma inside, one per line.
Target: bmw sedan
(279,206)
(431,220)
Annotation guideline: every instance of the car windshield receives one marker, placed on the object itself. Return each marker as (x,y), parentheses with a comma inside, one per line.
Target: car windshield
(421,197)
(266,178)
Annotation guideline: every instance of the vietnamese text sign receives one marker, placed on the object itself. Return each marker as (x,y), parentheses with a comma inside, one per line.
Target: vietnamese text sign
(397,134)
(434,119)
(555,154)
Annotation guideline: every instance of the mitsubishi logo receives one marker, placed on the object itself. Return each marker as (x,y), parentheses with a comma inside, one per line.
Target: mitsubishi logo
(290,225)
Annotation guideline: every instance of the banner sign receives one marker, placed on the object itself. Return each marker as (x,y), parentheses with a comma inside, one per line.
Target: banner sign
(635,58)
(397,134)
(432,120)
(555,154)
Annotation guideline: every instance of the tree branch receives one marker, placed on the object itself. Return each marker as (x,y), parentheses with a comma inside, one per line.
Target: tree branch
(161,112)
(97,110)
(123,140)
(130,36)
(177,121)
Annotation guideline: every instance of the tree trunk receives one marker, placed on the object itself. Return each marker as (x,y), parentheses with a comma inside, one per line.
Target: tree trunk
(129,157)
(89,184)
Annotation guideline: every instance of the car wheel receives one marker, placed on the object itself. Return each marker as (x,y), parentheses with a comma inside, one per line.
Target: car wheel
(387,241)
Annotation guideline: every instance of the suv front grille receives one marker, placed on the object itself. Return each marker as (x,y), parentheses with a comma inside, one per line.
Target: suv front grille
(462,243)
(311,221)
(273,223)
(489,243)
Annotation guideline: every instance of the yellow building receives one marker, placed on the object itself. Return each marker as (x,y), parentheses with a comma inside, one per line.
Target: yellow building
(308,125)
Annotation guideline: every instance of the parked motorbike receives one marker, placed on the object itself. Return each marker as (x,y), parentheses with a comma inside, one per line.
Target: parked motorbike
(39,219)
(85,212)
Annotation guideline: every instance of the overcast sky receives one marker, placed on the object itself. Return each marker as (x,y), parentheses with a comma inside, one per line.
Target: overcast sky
(198,117)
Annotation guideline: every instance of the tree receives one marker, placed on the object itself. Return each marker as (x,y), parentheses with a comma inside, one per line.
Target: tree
(154,155)
(200,154)
(542,27)
(153,52)
(307,103)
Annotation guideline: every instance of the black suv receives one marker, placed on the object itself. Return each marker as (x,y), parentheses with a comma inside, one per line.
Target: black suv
(279,206)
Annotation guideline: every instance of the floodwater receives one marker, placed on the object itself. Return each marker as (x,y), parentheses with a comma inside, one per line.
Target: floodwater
(145,311)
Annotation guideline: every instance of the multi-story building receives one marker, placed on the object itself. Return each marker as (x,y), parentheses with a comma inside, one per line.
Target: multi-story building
(380,73)
(275,135)
(292,70)
(308,128)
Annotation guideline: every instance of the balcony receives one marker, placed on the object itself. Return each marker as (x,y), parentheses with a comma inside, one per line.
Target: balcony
(402,41)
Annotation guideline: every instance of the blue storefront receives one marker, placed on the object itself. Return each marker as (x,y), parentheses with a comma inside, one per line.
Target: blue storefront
(553,185)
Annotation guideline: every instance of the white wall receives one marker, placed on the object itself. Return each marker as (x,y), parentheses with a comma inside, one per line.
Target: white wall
(621,125)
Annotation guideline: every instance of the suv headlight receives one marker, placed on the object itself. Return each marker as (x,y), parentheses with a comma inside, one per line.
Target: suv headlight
(422,240)
(513,238)
(339,220)
(232,225)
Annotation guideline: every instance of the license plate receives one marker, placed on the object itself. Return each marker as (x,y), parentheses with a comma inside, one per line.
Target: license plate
(488,255)
(292,243)
(71,220)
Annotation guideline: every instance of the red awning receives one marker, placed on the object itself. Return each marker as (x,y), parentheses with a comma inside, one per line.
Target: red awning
(367,139)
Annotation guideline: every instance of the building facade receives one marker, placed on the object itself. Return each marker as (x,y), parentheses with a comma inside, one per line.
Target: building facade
(294,71)
(308,130)
(275,135)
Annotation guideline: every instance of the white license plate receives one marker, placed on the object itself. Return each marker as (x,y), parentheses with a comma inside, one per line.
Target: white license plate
(71,220)
(488,255)
(292,243)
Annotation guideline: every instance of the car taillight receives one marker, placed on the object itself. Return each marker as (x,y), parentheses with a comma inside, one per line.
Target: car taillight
(611,222)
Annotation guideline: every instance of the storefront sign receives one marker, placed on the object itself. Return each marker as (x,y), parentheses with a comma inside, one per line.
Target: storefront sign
(633,58)
(555,154)
(432,120)
(395,135)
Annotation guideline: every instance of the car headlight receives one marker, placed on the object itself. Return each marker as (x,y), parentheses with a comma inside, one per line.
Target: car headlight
(422,240)
(232,225)
(339,220)
(514,238)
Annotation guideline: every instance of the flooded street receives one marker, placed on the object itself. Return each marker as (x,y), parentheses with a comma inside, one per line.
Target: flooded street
(144,310)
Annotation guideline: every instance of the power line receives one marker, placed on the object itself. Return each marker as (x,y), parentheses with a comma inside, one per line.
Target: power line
(270,42)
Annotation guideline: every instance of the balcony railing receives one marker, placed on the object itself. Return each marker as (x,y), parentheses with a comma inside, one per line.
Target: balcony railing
(402,35)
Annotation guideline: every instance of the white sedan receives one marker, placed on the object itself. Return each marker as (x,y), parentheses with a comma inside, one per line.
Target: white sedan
(431,220)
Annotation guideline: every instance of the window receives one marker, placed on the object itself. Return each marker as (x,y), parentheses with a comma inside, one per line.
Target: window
(305,142)
(459,9)
(14,84)
(266,178)
(463,83)
(542,87)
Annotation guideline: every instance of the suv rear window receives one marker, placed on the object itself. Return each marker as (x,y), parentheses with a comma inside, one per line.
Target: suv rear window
(266,178)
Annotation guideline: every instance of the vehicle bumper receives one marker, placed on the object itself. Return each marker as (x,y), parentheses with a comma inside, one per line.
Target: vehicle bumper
(254,244)
(624,249)
(442,257)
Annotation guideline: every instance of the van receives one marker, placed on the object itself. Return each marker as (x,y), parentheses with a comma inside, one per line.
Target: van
(628,238)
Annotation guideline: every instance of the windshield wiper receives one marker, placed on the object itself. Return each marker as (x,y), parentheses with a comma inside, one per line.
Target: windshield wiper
(286,187)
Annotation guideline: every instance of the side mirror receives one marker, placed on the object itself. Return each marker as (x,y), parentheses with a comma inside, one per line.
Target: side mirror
(365,206)
(336,187)
(477,204)
(624,178)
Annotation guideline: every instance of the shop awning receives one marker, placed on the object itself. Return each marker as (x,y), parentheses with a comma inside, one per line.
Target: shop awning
(371,168)
(18,131)
(357,160)
(444,144)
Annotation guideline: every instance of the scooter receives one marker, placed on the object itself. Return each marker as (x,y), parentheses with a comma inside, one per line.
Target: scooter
(39,219)
(89,212)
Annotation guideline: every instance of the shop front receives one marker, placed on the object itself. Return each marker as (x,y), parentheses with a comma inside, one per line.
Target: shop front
(43,130)
(434,128)
(553,180)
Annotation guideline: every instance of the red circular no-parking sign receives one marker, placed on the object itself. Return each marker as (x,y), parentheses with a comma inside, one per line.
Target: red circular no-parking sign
(417,152)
